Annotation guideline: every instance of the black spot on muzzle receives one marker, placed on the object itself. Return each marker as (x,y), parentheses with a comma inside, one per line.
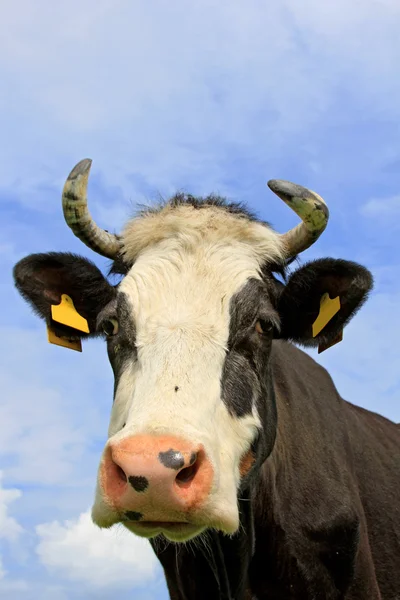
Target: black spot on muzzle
(139,483)
(133,516)
(173,459)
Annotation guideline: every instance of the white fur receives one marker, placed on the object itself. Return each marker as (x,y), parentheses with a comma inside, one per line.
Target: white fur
(189,264)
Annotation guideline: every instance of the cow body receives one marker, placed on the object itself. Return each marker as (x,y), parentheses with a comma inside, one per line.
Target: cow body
(324,510)
(228,447)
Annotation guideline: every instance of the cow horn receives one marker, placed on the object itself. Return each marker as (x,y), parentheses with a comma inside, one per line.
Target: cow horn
(311,209)
(77,215)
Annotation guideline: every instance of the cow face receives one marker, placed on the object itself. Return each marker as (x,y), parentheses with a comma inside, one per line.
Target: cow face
(189,333)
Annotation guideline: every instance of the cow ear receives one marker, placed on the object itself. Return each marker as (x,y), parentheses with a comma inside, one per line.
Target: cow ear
(299,303)
(42,279)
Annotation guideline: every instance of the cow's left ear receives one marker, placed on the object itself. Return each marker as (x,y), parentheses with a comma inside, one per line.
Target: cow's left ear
(300,300)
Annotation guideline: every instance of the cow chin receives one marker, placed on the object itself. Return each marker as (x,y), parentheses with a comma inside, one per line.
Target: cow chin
(219,515)
(173,532)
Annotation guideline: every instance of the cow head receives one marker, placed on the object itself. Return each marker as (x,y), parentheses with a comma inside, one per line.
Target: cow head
(189,331)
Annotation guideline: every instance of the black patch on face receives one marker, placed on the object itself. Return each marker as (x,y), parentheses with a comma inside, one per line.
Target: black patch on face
(177,388)
(246,379)
(238,384)
(121,348)
(172,459)
(139,483)
(248,351)
(133,515)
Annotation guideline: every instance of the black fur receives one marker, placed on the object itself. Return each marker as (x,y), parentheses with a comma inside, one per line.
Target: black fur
(246,377)
(121,348)
(319,505)
(198,202)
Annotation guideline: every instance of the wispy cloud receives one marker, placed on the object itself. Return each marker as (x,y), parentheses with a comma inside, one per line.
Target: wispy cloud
(383,210)
(10,529)
(43,432)
(174,92)
(11,532)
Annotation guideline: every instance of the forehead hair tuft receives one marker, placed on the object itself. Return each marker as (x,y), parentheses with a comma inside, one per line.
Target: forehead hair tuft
(199,202)
(184,222)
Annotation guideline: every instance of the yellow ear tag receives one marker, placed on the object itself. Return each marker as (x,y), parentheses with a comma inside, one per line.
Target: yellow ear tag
(327,310)
(63,341)
(66,314)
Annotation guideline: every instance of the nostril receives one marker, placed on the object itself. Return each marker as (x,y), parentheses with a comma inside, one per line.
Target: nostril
(121,473)
(186,475)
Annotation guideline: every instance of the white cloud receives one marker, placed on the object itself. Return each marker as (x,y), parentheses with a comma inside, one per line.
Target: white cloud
(80,551)
(383,209)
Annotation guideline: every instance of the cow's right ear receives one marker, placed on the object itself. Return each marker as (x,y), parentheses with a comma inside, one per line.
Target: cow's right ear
(43,278)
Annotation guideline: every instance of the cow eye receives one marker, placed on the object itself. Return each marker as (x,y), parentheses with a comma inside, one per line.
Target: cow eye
(263,327)
(110,327)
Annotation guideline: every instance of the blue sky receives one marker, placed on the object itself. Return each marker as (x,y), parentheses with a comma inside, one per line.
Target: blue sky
(164,96)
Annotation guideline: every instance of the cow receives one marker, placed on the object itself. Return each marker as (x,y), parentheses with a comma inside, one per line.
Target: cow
(229,447)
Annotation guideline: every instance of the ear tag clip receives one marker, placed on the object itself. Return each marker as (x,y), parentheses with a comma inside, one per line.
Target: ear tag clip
(324,346)
(327,310)
(65,342)
(66,314)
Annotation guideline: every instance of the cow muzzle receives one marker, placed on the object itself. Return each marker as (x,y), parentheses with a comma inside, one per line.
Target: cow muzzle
(155,482)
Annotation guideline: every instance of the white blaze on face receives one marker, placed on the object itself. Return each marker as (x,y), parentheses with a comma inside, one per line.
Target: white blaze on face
(188,265)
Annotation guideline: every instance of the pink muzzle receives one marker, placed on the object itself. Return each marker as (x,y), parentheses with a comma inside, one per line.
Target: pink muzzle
(155,478)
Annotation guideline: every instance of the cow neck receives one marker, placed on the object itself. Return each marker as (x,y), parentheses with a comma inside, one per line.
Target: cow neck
(230,556)
(217,570)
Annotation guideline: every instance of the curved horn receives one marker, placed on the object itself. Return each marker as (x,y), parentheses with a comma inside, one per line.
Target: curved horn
(77,215)
(311,209)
